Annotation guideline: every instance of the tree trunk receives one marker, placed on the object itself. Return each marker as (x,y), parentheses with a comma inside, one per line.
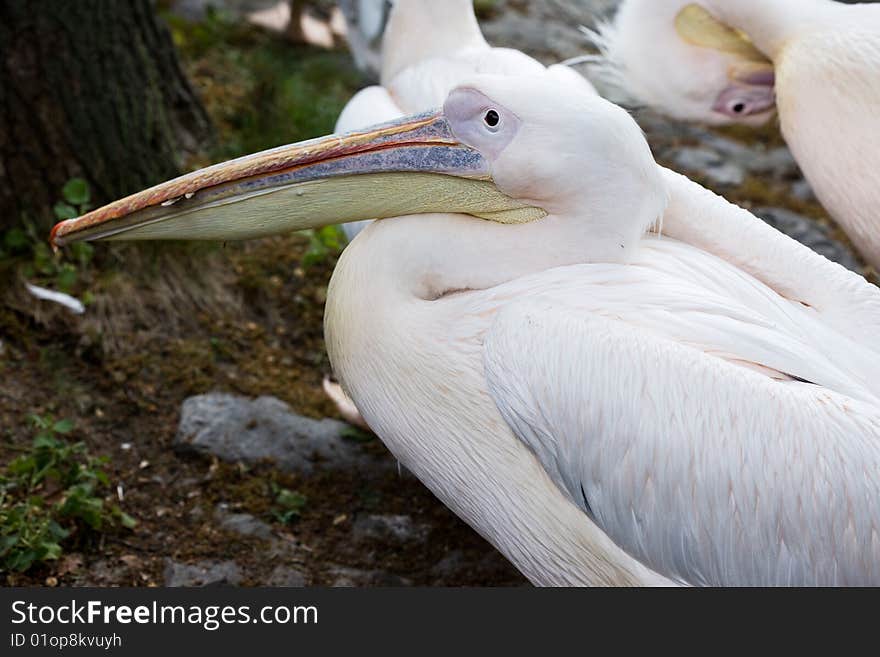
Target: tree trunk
(89,89)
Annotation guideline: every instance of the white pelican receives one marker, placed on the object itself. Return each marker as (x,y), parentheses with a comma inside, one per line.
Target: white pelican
(716,61)
(604,405)
(428,48)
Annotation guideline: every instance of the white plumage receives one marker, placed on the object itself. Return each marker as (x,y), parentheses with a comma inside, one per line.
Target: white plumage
(711,408)
(428,49)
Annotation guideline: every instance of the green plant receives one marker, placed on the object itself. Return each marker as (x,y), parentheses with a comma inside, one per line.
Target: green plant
(485,8)
(49,493)
(323,243)
(61,271)
(288,505)
(77,196)
(357,435)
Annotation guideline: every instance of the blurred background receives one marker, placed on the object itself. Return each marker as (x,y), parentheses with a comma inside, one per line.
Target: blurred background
(162,420)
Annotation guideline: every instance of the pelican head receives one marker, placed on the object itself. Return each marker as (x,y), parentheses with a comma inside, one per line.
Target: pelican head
(504,149)
(679,58)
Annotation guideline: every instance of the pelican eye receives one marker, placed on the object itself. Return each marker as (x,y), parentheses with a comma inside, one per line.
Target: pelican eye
(492,119)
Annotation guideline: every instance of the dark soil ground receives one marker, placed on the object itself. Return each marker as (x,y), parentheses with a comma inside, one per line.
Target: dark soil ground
(170,321)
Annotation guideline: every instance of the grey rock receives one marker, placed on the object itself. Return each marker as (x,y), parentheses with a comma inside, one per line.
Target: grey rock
(548,30)
(455,567)
(343,577)
(243,523)
(664,132)
(452,564)
(389,529)
(286,577)
(728,162)
(238,429)
(104,572)
(802,191)
(754,158)
(809,233)
(778,162)
(203,573)
(711,164)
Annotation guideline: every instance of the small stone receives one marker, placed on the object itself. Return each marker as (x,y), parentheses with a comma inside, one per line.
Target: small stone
(802,191)
(203,573)
(239,429)
(285,577)
(389,529)
(102,572)
(452,564)
(711,164)
(131,560)
(344,577)
(244,524)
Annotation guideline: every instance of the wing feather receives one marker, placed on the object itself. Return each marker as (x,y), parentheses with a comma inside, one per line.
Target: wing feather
(705,471)
(703,219)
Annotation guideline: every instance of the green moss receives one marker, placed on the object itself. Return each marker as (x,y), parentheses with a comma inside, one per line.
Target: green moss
(485,8)
(261,90)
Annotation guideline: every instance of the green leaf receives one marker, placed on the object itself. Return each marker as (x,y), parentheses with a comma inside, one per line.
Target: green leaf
(41,422)
(67,277)
(291,500)
(50,550)
(46,440)
(331,237)
(7,543)
(124,519)
(64,211)
(83,253)
(357,435)
(16,240)
(56,531)
(22,560)
(76,191)
(44,261)
(63,426)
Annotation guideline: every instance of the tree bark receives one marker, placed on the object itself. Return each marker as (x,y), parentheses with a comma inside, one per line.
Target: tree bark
(89,89)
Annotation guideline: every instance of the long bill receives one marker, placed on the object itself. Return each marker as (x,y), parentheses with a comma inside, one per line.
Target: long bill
(410,166)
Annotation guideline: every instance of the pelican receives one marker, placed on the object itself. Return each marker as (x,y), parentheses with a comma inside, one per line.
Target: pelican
(606,404)
(737,61)
(428,48)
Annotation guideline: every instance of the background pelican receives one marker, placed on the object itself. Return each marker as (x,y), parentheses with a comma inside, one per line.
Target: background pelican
(717,61)
(604,405)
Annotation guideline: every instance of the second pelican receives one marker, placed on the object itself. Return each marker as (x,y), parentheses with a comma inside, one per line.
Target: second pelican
(736,61)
